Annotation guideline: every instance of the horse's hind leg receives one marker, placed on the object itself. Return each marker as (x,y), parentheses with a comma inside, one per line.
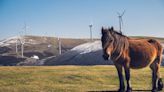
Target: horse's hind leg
(160,84)
(155,67)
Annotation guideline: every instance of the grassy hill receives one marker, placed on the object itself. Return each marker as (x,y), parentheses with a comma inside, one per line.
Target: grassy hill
(69,79)
(41,44)
(43,47)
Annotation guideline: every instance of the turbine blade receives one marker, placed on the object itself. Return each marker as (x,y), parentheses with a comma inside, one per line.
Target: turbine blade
(123,13)
(118,13)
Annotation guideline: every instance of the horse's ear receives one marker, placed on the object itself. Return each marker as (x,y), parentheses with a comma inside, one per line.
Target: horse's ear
(120,32)
(102,30)
(112,28)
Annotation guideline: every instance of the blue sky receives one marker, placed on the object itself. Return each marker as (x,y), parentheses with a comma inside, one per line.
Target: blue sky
(70,18)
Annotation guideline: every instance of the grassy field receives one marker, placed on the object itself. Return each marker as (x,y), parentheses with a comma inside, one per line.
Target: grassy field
(69,79)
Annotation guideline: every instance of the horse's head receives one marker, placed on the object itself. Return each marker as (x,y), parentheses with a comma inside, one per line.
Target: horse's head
(107,42)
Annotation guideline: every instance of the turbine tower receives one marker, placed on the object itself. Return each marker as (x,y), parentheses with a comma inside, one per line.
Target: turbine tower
(59,45)
(16,47)
(22,39)
(120,20)
(90,26)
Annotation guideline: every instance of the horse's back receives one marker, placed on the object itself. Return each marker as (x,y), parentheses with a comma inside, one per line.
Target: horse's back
(157,44)
(143,52)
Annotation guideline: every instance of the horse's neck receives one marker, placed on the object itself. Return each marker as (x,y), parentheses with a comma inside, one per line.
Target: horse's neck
(120,45)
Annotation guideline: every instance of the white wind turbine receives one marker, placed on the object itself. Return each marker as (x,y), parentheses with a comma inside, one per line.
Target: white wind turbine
(120,20)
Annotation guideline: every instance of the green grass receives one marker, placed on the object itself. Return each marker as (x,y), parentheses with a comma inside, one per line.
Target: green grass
(68,79)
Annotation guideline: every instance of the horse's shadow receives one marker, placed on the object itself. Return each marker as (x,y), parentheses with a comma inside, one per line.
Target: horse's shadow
(117,91)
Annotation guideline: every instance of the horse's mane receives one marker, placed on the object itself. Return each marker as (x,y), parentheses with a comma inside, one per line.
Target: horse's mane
(120,44)
(116,32)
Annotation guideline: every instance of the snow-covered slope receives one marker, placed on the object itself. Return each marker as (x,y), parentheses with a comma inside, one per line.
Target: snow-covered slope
(13,40)
(85,54)
(8,41)
(88,47)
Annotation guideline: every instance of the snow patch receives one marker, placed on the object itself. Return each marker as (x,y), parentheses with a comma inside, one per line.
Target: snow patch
(35,57)
(13,40)
(8,41)
(85,54)
(88,47)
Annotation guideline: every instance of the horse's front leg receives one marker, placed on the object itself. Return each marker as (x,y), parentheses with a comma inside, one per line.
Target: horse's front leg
(127,74)
(121,78)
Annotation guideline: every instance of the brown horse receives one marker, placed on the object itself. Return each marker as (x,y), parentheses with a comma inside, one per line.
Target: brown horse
(129,53)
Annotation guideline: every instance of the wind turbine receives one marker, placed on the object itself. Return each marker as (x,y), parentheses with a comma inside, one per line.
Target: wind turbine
(22,39)
(16,47)
(90,27)
(59,45)
(120,20)
(25,29)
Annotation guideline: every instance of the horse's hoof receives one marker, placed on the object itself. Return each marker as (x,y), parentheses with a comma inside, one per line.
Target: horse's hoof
(129,90)
(154,90)
(160,84)
(121,90)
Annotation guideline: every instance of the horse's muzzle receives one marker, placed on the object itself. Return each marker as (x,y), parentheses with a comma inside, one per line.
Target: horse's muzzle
(106,57)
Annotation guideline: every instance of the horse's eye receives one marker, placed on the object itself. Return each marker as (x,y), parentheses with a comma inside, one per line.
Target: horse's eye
(110,40)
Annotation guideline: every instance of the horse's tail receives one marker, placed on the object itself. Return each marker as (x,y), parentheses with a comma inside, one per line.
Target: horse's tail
(159,48)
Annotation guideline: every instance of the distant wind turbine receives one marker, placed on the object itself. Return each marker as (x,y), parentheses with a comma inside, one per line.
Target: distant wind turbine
(120,20)
(90,26)
(16,47)
(22,39)
(25,27)
(59,45)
